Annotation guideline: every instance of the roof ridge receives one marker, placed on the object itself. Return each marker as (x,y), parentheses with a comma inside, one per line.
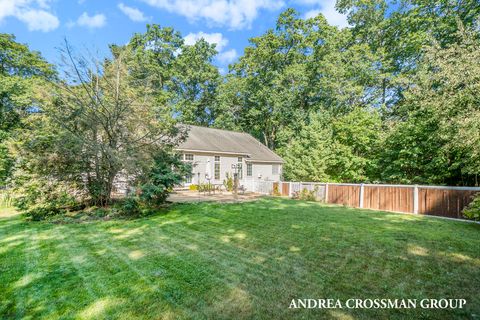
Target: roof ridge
(211,128)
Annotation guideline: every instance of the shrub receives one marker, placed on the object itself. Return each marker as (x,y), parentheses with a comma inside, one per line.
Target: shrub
(228,182)
(5,199)
(165,172)
(472,211)
(39,197)
(307,195)
(276,190)
(193,187)
(130,207)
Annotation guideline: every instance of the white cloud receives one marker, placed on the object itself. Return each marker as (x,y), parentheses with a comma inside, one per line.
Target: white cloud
(96,21)
(311,14)
(327,8)
(236,14)
(227,56)
(39,20)
(32,12)
(133,13)
(212,38)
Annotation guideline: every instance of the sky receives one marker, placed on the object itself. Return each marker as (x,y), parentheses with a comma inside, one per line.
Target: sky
(94,24)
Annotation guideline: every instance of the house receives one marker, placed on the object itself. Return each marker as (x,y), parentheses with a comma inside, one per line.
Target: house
(216,153)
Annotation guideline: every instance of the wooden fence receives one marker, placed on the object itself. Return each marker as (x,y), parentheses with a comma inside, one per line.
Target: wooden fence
(427,200)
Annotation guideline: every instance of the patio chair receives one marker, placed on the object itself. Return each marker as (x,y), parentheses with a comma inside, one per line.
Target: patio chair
(242,189)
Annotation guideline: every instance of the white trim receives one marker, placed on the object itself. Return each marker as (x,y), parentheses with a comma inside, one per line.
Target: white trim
(396,185)
(264,161)
(450,188)
(216,152)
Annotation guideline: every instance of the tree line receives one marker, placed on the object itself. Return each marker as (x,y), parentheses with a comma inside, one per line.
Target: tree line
(392,98)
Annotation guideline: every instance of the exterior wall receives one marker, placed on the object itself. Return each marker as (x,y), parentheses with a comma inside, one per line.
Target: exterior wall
(263,172)
(204,163)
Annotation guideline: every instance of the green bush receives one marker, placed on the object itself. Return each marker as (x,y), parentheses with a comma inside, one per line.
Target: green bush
(39,198)
(42,211)
(193,187)
(130,207)
(472,211)
(165,172)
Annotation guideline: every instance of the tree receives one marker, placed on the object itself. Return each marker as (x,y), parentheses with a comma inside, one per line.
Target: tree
(308,156)
(22,73)
(330,148)
(101,123)
(438,141)
(357,138)
(397,32)
(300,68)
(183,76)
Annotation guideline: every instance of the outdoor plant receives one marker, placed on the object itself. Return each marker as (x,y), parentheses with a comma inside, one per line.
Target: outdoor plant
(5,199)
(193,187)
(165,172)
(228,182)
(38,197)
(276,191)
(130,207)
(308,195)
(305,194)
(472,211)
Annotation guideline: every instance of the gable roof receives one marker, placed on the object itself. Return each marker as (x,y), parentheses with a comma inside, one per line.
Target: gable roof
(203,139)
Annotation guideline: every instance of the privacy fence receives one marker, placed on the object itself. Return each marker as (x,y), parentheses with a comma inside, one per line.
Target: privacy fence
(428,200)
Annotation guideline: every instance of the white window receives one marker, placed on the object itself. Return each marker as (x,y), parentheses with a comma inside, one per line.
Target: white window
(188,157)
(249,169)
(217,168)
(275,168)
(240,168)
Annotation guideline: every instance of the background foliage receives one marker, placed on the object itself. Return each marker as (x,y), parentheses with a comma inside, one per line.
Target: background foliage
(393,98)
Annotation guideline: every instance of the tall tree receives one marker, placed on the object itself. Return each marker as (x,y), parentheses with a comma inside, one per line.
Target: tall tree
(397,31)
(301,67)
(438,141)
(184,76)
(101,123)
(22,73)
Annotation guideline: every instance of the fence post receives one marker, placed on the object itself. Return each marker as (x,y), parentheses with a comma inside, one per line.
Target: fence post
(326,192)
(415,199)
(361,195)
(290,189)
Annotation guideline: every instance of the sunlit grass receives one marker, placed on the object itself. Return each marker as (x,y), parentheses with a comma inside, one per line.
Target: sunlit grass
(228,261)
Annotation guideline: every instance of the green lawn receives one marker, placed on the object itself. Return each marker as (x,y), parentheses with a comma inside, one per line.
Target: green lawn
(243,260)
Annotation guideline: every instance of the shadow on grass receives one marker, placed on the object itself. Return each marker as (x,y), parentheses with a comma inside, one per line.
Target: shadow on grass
(245,260)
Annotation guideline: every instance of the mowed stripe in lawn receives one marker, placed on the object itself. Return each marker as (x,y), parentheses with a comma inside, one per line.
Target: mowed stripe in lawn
(244,260)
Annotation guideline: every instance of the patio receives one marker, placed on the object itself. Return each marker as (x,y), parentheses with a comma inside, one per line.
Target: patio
(184,196)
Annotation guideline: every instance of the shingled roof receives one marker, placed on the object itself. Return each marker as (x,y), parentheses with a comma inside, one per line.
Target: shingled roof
(204,139)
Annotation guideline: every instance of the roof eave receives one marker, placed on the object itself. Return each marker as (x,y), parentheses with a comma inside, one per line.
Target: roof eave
(214,151)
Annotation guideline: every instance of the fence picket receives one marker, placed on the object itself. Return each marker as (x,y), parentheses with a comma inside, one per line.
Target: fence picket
(429,200)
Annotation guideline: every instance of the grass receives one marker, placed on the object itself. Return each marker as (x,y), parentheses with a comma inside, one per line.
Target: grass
(244,260)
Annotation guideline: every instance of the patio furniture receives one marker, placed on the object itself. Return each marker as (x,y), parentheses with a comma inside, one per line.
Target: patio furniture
(242,189)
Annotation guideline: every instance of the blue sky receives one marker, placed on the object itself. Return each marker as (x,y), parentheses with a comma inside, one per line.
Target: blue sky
(93,24)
